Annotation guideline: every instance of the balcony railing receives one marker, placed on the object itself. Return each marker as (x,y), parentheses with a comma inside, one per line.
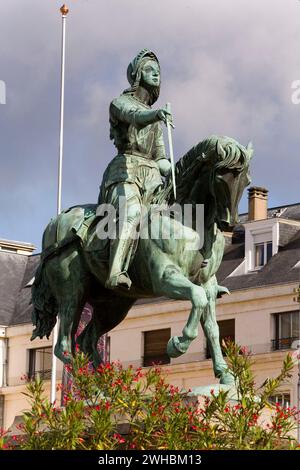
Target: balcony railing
(283,343)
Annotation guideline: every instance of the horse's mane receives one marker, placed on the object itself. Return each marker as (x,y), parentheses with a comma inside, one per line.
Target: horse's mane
(216,152)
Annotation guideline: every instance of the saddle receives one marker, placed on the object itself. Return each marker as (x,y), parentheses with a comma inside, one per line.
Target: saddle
(73,224)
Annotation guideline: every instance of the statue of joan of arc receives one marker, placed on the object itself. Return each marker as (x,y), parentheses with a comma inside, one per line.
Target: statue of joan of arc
(136,172)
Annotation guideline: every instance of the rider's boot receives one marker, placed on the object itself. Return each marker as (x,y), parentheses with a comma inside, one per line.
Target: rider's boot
(119,258)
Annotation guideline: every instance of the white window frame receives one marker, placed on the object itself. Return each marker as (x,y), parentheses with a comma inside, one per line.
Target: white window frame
(265,260)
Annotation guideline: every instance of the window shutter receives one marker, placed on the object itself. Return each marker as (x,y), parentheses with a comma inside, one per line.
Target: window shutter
(155,346)
(227,331)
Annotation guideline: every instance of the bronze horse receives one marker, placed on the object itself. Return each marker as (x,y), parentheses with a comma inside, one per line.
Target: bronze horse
(74,263)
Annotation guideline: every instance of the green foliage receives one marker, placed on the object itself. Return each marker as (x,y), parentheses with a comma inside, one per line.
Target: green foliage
(117,408)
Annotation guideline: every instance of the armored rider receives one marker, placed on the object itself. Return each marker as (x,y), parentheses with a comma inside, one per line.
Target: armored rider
(136,172)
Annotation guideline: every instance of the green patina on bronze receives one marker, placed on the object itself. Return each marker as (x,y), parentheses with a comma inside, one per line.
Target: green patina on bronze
(77,267)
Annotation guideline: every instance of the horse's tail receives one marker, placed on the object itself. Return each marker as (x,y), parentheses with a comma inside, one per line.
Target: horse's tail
(45,308)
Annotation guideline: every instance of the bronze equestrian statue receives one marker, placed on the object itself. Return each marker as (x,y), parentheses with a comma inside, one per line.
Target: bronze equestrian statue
(111,273)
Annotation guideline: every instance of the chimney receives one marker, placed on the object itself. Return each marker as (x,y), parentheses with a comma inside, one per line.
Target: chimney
(257,203)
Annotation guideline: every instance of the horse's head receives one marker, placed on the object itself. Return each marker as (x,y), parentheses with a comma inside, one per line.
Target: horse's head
(229,177)
(214,173)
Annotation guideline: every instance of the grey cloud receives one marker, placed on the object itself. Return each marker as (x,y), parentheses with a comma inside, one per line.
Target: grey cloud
(227,68)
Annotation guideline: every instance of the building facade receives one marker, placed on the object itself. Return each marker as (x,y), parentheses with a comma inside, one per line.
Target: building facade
(18,355)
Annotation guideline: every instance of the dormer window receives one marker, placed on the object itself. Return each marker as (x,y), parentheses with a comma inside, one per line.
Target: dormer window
(262,254)
(261,232)
(266,231)
(261,243)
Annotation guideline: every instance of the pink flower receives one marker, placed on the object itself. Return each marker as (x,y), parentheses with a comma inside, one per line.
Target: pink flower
(244,350)
(119,438)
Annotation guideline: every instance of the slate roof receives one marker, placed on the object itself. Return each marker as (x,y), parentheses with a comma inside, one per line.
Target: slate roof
(291,211)
(280,269)
(23,309)
(16,270)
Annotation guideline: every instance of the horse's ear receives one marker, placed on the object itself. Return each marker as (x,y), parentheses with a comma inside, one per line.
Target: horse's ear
(220,150)
(250,149)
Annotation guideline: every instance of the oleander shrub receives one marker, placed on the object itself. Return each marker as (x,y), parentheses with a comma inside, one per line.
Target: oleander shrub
(126,408)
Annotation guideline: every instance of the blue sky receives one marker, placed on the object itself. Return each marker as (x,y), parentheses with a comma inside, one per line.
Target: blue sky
(227,68)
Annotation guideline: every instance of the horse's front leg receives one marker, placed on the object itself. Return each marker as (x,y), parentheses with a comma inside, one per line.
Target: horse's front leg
(175,285)
(211,331)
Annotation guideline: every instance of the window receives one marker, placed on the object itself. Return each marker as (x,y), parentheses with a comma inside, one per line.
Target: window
(262,254)
(284,399)
(155,347)
(261,242)
(227,332)
(40,362)
(286,329)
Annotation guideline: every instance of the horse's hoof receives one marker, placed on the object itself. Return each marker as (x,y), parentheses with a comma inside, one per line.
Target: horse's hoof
(174,348)
(222,291)
(227,378)
(63,356)
(120,280)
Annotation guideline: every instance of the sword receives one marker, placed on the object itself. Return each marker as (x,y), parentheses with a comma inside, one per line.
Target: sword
(169,125)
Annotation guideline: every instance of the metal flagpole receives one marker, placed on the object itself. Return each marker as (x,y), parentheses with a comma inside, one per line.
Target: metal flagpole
(64,11)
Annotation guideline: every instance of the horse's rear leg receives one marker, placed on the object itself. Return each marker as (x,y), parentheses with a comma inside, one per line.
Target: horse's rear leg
(69,313)
(174,284)
(107,313)
(69,283)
